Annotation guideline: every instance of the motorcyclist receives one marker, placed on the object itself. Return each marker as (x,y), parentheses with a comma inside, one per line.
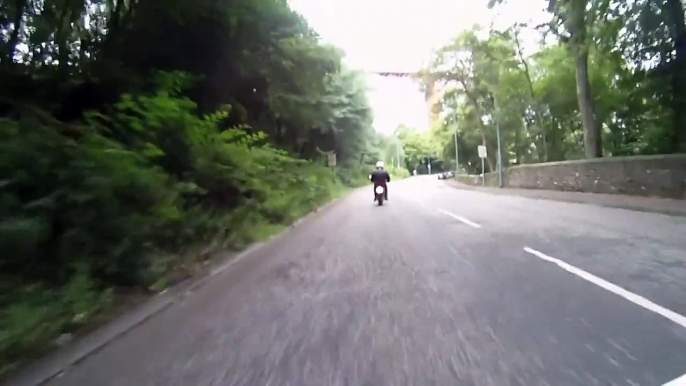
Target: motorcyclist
(380,177)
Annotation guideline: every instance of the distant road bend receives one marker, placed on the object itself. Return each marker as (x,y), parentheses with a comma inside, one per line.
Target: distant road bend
(439,287)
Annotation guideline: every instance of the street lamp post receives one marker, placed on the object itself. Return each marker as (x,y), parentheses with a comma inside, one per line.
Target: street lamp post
(397,149)
(500,153)
(457,154)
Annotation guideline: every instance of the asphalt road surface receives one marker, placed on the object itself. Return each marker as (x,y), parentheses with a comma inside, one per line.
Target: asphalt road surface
(439,287)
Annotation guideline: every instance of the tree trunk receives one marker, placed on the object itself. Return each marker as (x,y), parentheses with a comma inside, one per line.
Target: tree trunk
(62,54)
(592,138)
(62,41)
(517,152)
(573,13)
(18,25)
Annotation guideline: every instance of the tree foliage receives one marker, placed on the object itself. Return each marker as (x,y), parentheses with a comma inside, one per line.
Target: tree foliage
(132,129)
(628,51)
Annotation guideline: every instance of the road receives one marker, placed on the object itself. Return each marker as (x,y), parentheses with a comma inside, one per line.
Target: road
(435,288)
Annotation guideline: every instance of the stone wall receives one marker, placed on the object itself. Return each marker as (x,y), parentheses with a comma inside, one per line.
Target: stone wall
(659,175)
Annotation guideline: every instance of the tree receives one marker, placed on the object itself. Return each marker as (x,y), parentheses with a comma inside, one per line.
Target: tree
(475,67)
(418,147)
(631,67)
(655,45)
(249,54)
(571,22)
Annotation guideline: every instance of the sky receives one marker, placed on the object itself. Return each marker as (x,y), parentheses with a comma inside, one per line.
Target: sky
(399,36)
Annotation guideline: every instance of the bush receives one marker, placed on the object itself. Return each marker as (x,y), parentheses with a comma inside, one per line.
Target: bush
(87,201)
(354,175)
(397,173)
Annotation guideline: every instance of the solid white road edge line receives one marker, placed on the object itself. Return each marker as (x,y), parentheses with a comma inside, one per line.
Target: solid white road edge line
(460,218)
(630,296)
(681,381)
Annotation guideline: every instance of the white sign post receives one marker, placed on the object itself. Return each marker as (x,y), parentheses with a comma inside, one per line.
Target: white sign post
(482,154)
(331,158)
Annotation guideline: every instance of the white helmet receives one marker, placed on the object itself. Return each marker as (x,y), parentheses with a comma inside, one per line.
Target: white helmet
(379,165)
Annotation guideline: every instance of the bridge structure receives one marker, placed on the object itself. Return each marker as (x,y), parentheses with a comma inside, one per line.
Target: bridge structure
(395,74)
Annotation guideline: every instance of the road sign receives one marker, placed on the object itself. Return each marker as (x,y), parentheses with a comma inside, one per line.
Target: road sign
(482,151)
(332,159)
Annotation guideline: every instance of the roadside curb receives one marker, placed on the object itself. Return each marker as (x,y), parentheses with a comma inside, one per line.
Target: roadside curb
(541,195)
(55,363)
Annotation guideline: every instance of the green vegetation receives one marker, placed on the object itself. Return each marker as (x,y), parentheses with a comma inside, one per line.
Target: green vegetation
(131,132)
(607,79)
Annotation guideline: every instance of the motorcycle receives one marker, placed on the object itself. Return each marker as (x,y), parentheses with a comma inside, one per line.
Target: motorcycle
(379,190)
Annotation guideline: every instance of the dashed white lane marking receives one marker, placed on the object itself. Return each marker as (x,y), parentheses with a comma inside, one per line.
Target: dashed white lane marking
(460,218)
(681,381)
(630,296)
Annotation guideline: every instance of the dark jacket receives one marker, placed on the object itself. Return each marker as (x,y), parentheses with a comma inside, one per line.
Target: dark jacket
(380,177)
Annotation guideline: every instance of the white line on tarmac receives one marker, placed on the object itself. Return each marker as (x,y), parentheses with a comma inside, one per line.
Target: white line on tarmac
(460,218)
(630,296)
(681,381)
